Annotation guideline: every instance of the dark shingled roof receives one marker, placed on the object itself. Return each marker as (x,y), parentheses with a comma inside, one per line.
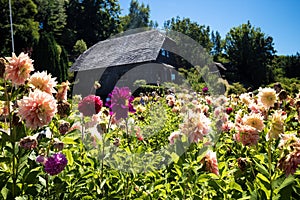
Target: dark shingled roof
(128,49)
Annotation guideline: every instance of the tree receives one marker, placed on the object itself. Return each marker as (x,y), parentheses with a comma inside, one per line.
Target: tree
(90,20)
(199,33)
(49,56)
(250,51)
(51,16)
(217,44)
(138,17)
(25,27)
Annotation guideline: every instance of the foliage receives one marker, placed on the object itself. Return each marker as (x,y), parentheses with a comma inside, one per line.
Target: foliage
(138,16)
(25,27)
(199,33)
(236,88)
(51,16)
(49,56)
(250,50)
(79,47)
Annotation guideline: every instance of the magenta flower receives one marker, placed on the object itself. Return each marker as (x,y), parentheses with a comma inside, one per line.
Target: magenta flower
(205,89)
(55,164)
(90,105)
(120,102)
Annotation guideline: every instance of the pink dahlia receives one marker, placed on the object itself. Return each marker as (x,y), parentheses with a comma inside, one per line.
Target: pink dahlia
(120,102)
(55,164)
(211,162)
(174,135)
(290,163)
(248,135)
(37,109)
(196,126)
(19,68)
(43,82)
(90,105)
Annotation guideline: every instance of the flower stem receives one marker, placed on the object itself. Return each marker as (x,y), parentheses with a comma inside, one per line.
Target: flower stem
(270,167)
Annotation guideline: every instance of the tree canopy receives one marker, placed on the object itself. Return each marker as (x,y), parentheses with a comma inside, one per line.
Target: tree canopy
(250,51)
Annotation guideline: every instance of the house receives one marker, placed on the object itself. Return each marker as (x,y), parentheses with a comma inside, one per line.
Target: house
(120,61)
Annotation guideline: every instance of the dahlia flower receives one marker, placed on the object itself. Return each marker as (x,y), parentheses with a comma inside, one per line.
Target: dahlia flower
(90,105)
(290,163)
(195,126)
(63,88)
(174,135)
(248,135)
(267,97)
(211,162)
(277,124)
(254,120)
(42,81)
(37,109)
(29,143)
(120,102)
(19,68)
(55,164)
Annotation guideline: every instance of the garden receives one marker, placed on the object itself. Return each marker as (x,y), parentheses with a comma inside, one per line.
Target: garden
(171,143)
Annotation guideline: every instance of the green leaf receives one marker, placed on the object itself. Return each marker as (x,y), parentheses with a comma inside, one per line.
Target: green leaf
(263,178)
(4,192)
(69,157)
(174,157)
(236,186)
(42,181)
(68,140)
(261,168)
(288,181)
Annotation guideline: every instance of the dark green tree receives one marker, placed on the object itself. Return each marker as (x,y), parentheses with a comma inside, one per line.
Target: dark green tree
(250,51)
(292,69)
(138,16)
(25,27)
(90,20)
(199,33)
(51,16)
(49,56)
(217,45)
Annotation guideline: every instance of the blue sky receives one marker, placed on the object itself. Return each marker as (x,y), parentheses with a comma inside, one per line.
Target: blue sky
(277,18)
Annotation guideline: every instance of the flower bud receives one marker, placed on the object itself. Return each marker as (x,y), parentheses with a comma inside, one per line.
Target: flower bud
(28,143)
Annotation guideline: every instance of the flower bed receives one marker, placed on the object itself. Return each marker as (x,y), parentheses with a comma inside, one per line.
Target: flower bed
(180,146)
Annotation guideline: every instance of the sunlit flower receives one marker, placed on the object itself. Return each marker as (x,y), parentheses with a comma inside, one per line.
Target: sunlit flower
(290,163)
(247,135)
(19,68)
(37,109)
(63,88)
(174,135)
(170,100)
(120,102)
(254,120)
(90,105)
(195,126)
(277,124)
(55,164)
(43,82)
(245,98)
(267,96)
(211,162)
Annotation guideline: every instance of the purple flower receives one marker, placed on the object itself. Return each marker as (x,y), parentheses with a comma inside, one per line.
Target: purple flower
(55,164)
(119,102)
(205,89)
